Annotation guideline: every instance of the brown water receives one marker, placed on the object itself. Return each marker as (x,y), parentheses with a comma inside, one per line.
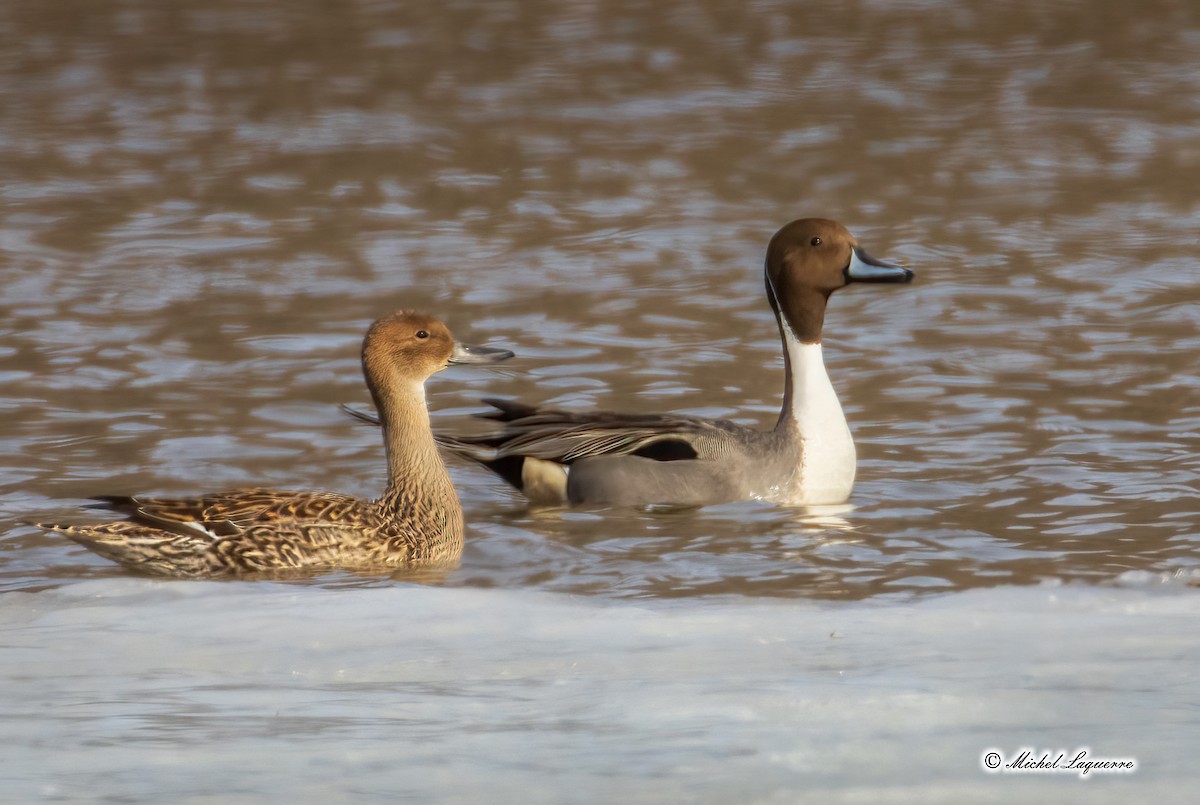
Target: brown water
(204,204)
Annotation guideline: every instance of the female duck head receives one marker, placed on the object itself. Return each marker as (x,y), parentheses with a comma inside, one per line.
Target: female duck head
(401,352)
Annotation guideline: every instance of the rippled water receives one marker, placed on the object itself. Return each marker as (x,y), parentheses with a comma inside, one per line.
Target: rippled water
(205,204)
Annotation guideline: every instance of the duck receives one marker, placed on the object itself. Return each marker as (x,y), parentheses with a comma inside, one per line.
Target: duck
(556,457)
(418,521)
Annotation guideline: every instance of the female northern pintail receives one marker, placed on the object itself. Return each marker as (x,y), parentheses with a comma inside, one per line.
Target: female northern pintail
(556,457)
(417,521)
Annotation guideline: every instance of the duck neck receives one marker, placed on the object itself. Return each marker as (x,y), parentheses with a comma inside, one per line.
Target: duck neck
(812,425)
(415,466)
(808,394)
(800,316)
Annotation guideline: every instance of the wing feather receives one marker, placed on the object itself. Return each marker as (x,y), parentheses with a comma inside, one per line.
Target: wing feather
(567,436)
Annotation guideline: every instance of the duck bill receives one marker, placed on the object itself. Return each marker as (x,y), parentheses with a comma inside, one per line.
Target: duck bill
(465,353)
(865,268)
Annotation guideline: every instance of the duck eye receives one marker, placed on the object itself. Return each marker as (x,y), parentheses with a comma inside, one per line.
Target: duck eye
(815,241)
(422,334)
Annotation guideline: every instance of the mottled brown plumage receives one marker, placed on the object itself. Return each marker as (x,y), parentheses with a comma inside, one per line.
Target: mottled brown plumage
(418,520)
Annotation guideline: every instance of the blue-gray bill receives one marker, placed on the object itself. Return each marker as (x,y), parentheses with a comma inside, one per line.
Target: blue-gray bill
(865,268)
(465,353)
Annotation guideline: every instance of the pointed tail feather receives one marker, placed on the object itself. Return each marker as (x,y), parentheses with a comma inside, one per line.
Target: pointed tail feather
(506,410)
(366,417)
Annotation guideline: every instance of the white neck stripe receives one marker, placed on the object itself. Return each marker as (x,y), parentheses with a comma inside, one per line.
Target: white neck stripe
(827,461)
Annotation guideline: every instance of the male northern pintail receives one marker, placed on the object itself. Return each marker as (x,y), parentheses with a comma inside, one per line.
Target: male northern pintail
(557,457)
(417,521)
